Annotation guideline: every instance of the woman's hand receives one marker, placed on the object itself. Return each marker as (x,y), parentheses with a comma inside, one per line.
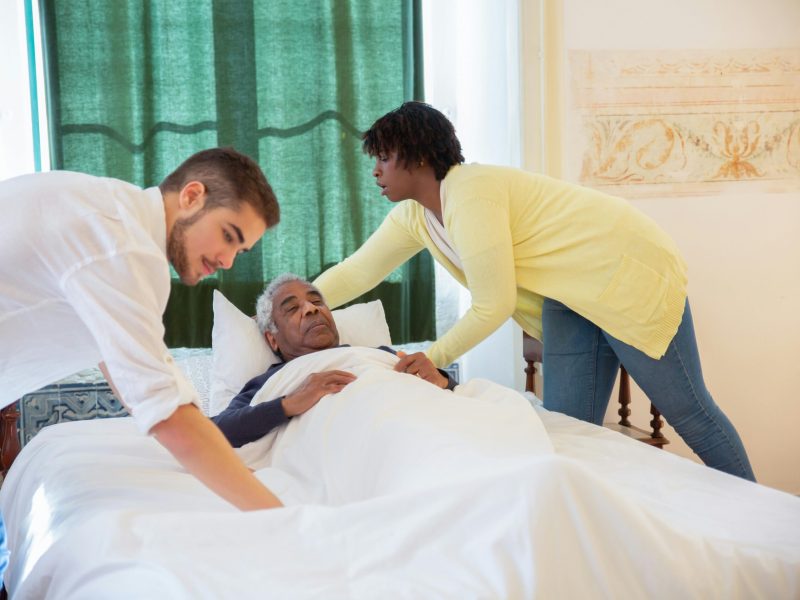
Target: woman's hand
(420,365)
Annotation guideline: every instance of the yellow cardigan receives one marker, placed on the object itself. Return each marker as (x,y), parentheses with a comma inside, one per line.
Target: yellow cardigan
(523,237)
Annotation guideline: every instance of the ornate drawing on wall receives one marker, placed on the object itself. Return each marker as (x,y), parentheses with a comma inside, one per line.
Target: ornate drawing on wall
(685,122)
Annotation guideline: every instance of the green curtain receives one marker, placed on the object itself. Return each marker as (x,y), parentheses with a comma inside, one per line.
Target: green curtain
(135,87)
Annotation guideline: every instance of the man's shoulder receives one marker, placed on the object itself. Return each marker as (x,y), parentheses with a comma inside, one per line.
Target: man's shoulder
(259,380)
(384,348)
(74,180)
(84,194)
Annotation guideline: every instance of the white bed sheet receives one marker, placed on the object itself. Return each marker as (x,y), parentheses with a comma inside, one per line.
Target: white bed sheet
(94,507)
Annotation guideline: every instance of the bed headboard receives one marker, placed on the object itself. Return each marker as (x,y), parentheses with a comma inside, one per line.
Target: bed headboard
(82,396)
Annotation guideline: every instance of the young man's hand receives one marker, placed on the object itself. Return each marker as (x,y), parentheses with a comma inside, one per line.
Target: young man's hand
(314,387)
(420,365)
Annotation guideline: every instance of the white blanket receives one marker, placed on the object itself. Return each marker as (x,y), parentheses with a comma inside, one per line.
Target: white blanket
(95,510)
(389,432)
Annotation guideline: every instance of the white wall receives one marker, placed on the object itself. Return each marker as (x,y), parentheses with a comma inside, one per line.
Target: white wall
(742,248)
(744,260)
(472,76)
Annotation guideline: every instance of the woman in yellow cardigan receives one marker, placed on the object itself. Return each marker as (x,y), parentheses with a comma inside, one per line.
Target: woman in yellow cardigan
(592,277)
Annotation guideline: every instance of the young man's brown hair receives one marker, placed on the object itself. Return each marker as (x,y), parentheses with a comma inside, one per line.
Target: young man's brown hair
(230,178)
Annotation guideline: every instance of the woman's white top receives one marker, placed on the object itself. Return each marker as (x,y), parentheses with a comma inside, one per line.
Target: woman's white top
(440,238)
(84,278)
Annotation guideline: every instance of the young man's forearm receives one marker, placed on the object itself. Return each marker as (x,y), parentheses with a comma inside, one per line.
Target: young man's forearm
(201,448)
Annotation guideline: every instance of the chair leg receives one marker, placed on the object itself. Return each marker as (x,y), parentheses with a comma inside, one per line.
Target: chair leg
(530,377)
(624,397)
(656,423)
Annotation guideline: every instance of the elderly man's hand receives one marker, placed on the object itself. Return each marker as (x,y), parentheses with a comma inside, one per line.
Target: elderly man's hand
(420,365)
(314,387)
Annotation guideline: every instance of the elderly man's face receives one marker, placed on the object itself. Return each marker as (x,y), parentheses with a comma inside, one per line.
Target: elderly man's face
(305,323)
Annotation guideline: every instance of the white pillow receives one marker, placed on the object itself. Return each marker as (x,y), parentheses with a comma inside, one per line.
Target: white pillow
(240,352)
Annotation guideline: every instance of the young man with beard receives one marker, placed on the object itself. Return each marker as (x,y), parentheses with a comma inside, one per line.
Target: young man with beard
(84,280)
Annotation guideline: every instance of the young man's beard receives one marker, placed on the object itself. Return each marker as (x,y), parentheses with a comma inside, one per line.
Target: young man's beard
(176,246)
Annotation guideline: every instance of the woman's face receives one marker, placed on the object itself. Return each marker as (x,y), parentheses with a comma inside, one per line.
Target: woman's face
(395,180)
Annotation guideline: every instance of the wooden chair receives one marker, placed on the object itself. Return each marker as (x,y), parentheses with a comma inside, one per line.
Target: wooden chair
(532,350)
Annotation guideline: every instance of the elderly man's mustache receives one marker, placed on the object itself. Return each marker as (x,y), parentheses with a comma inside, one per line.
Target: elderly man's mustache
(318,321)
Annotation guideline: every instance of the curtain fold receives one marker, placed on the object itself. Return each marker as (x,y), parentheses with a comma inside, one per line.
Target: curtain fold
(136,87)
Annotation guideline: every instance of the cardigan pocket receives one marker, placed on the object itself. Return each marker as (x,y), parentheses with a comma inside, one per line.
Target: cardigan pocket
(635,290)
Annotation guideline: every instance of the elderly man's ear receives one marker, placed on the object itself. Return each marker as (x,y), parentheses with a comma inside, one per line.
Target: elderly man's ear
(273,343)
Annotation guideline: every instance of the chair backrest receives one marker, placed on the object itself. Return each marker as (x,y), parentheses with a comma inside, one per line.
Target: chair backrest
(533,353)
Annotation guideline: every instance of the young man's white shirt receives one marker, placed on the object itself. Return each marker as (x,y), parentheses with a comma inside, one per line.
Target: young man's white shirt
(84,278)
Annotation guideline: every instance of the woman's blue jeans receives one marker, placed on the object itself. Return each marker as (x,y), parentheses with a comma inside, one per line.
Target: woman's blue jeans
(580,368)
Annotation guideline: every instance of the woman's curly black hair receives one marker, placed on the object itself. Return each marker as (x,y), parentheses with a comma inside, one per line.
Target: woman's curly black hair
(417,132)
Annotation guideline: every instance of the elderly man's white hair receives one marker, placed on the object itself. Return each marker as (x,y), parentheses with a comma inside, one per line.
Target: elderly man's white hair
(264,317)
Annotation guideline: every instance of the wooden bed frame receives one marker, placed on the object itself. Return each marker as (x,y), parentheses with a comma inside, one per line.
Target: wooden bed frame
(9,436)
(531,350)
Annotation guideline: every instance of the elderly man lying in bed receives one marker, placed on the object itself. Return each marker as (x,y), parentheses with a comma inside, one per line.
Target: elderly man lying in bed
(348,423)
(295,321)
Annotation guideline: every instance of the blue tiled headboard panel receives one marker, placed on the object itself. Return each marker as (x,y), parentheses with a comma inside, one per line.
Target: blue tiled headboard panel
(86,395)
(65,401)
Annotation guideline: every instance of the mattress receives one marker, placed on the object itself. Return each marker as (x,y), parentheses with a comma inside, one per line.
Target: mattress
(94,506)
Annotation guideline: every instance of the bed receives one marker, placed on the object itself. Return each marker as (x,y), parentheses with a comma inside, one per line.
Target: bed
(393,490)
